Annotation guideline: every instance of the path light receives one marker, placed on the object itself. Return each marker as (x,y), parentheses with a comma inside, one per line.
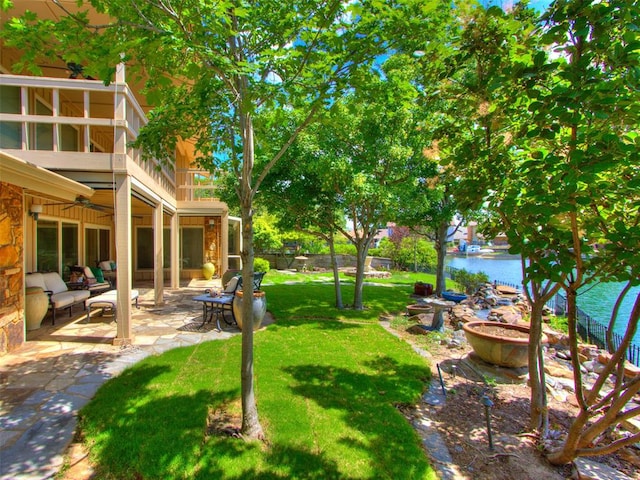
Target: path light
(444,391)
(486,401)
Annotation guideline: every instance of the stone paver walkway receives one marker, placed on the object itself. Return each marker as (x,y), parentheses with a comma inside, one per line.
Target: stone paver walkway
(44,384)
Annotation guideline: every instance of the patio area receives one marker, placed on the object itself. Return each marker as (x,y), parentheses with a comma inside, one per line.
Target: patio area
(57,371)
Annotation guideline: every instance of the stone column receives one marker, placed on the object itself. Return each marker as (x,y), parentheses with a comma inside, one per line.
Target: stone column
(12,328)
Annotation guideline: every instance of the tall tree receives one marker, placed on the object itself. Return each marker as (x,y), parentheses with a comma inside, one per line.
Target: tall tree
(208,68)
(480,125)
(588,128)
(362,152)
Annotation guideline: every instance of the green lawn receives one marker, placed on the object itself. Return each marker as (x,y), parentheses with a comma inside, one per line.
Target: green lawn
(327,383)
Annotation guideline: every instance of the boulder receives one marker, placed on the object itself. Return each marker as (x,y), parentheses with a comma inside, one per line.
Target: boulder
(507,314)
(558,371)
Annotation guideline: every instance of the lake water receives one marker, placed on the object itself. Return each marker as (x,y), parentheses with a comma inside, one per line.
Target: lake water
(597,301)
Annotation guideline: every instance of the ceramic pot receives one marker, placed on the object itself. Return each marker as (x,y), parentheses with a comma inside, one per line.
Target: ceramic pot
(36,304)
(259,307)
(208,269)
(501,344)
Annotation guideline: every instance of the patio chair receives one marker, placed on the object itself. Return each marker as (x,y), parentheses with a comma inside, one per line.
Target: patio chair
(90,281)
(108,268)
(59,294)
(224,300)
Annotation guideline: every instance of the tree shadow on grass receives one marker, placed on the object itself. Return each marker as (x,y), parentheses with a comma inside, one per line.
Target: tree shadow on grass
(139,434)
(367,402)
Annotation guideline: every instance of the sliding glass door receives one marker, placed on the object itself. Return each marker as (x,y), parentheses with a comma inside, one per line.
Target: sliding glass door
(57,246)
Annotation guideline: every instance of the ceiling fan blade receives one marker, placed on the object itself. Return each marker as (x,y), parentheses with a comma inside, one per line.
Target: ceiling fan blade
(98,208)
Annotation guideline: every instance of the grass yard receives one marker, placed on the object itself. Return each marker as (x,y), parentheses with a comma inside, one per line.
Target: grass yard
(327,383)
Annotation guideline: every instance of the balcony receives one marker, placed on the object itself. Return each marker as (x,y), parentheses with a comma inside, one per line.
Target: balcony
(74,124)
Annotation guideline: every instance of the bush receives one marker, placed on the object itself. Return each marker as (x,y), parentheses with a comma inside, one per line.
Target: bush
(261,265)
(413,252)
(470,282)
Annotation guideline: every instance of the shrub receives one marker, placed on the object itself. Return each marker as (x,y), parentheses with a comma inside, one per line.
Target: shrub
(470,282)
(261,265)
(412,252)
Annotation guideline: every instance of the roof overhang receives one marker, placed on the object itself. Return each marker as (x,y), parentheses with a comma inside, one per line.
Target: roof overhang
(35,179)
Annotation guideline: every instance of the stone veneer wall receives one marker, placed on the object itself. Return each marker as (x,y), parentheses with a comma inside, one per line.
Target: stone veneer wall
(11,262)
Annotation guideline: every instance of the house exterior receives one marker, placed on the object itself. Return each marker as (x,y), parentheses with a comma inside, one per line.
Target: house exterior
(74,192)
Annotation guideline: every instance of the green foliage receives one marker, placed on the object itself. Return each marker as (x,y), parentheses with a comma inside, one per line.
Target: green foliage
(558,323)
(470,282)
(345,248)
(266,237)
(261,265)
(413,253)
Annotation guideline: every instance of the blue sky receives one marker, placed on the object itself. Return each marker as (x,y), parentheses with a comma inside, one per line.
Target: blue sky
(539,5)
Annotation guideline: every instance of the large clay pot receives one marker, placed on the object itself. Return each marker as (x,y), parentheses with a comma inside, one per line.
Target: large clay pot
(259,307)
(500,343)
(208,269)
(36,304)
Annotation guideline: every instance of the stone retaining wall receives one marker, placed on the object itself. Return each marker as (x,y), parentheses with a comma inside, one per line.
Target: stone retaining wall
(317,261)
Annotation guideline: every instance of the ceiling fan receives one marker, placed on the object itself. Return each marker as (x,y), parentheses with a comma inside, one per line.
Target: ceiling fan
(75,70)
(83,202)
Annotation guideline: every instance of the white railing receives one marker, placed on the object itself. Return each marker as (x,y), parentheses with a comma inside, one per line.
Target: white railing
(195,185)
(87,106)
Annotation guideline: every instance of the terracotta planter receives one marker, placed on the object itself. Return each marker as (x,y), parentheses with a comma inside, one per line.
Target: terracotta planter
(36,304)
(259,307)
(500,343)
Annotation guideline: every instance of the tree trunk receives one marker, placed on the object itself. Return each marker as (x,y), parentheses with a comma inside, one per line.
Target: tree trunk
(361,255)
(539,410)
(600,412)
(336,272)
(441,250)
(251,427)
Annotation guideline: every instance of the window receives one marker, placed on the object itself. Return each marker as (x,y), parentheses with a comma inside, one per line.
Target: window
(10,132)
(68,138)
(96,245)
(235,241)
(57,246)
(192,246)
(42,133)
(70,245)
(47,256)
(144,248)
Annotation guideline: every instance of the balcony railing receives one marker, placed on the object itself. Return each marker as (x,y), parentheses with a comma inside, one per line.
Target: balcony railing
(195,185)
(74,115)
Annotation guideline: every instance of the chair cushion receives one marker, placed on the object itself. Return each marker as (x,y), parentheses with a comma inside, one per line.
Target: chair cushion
(98,274)
(80,295)
(105,266)
(35,280)
(54,282)
(88,273)
(64,299)
(231,286)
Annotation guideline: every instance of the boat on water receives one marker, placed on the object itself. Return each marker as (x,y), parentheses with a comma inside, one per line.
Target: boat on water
(454,297)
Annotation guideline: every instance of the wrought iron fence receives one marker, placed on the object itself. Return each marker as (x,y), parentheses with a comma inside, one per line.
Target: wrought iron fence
(593,330)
